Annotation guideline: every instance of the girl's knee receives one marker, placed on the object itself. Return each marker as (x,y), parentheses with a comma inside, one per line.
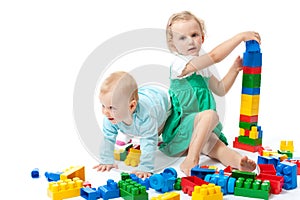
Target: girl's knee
(208,114)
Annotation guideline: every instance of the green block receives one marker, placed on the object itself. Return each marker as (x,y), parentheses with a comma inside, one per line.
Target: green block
(251,80)
(131,190)
(287,153)
(242,174)
(250,141)
(247,125)
(252,188)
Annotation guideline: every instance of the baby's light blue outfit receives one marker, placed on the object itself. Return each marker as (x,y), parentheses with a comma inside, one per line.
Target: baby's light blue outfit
(150,114)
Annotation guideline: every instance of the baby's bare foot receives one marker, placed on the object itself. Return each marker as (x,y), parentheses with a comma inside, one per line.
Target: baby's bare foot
(247,164)
(187,165)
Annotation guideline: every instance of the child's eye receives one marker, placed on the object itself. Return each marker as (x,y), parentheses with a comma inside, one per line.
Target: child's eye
(182,38)
(195,35)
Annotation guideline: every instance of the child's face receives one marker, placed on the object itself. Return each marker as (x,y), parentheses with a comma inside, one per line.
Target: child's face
(116,107)
(187,37)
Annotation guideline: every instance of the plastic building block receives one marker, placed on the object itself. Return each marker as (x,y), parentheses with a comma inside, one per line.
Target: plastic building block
(287,145)
(225,182)
(188,183)
(250,141)
(87,184)
(238,174)
(267,169)
(53,176)
(252,70)
(164,182)
(289,172)
(89,193)
(297,162)
(35,173)
(72,172)
(133,157)
(207,192)
(144,182)
(287,153)
(252,188)
(167,196)
(63,189)
(268,160)
(201,171)
(276,182)
(130,190)
(247,147)
(110,190)
(249,104)
(177,184)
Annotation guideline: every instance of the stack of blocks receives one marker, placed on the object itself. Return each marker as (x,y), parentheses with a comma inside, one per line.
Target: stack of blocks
(250,138)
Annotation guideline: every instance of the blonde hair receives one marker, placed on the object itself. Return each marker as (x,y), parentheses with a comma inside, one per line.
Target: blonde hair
(181,16)
(120,81)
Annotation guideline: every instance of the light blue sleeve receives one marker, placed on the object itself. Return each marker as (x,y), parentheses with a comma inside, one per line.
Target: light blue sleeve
(148,144)
(110,133)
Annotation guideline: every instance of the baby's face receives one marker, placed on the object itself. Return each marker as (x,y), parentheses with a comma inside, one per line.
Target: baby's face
(187,37)
(115,107)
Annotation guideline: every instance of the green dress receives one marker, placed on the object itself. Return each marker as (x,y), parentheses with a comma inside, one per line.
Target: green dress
(189,96)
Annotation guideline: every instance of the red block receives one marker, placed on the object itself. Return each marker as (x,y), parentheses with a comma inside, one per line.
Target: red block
(188,183)
(250,119)
(276,182)
(251,70)
(246,147)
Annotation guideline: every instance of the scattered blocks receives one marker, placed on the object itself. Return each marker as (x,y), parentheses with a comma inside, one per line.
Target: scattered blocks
(188,183)
(201,172)
(225,182)
(167,196)
(133,157)
(109,191)
(164,182)
(289,172)
(130,190)
(287,145)
(89,193)
(252,188)
(35,173)
(73,172)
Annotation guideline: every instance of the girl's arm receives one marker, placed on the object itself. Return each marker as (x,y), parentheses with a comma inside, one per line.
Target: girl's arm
(219,52)
(221,88)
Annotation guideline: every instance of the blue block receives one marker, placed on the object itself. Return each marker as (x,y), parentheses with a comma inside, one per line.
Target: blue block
(144,182)
(35,173)
(252,59)
(289,172)
(252,46)
(89,193)
(164,182)
(250,91)
(109,191)
(201,172)
(53,176)
(227,183)
(268,160)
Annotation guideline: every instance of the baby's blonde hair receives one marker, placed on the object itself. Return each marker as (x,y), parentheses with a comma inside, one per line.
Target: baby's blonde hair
(120,81)
(181,16)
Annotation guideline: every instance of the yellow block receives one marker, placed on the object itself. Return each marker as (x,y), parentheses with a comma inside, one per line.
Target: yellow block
(249,104)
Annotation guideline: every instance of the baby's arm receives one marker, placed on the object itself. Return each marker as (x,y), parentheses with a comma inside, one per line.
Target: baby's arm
(110,133)
(219,52)
(148,144)
(221,88)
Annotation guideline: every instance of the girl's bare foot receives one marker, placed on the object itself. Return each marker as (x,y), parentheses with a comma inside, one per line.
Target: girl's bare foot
(187,165)
(247,164)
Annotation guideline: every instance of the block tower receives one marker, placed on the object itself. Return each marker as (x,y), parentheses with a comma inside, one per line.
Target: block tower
(250,137)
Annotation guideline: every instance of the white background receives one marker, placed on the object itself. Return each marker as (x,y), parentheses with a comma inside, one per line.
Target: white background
(43,45)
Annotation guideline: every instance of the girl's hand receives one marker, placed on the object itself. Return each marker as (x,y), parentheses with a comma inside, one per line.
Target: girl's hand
(250,35)
(237,65)
(103,168)
(141,174)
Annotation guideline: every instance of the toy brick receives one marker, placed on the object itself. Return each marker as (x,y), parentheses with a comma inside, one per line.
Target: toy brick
(252,46)
(267,169)
(207,192)
(177,185)
(225,182)
(72,172)
(167,196)
(89,193)
(251,70)
(246,147)
(249,141)
(251,80)
(130,190)
(249,105)
(253,134)
(144,182)
(201,172)
(133,157)
(287,153)
(276,182)
(53,176)
(63,189)
(247,125)
(287,145)
(110,190)
(188,183)
(35,173)
(252,188)
(268,160)
(296,162)
(289,172)
(238,174)
(250,91)
(252,59)
(163,182)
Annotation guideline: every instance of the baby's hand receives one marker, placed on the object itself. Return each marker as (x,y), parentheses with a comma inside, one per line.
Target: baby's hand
(103,168)
(141,174)
(188,69)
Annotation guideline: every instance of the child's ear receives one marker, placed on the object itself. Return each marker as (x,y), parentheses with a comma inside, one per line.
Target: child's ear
(132,106)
